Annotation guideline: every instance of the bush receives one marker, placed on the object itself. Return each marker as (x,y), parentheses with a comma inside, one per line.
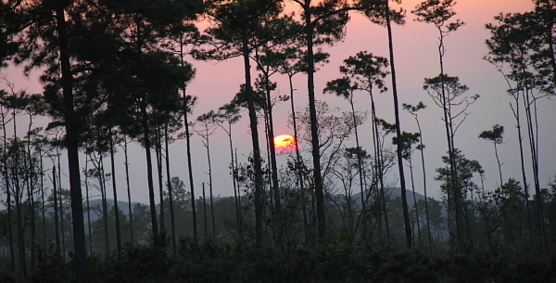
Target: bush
(330,261)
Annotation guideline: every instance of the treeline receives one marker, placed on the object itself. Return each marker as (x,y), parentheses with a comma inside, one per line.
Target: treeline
(115,73)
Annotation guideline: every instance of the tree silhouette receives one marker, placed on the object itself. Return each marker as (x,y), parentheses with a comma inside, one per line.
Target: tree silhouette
(421,147)
(181,36)
(293,62)
(7,104)
(407,140)
(450,95)
(466,169)
(111,137)
(56,47)
(22,168)
(188,103)
(269,58)
(88,202)
(366,71)
(148,93)
(96,156)
(226,116)
(439,13)
(379,12)
(114,71)
(323,22)
(496,136)
(237,25)
(9,26)
(514,41)
(128,186)
(205,127)
(170,188)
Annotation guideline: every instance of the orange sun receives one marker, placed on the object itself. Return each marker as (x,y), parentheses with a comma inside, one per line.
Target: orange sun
(284,143)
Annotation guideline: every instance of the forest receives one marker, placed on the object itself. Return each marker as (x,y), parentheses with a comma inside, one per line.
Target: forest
(89,182)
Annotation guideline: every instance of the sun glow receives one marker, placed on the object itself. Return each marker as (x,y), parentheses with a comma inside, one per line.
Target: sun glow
(285,143)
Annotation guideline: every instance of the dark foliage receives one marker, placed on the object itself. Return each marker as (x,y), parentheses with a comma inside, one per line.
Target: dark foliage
(330,261)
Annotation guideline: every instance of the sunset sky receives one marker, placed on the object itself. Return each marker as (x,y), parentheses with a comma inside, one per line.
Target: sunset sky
(416,58)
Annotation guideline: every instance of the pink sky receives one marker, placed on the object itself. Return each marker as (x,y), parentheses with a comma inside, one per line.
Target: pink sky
(415,46)
(416,55)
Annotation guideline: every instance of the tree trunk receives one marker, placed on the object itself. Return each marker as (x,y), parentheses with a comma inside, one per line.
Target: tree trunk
(205,212)
(32,223)
(273,165)
(158,151)
(317,175)
(498,163)
(147,143)
(61,208)
(362,181)
(417,218)
(5,172)
(259,194)
(298,161)
(206,143)
(170,191)
(102,181)
(409,240)
(129,204)
(240,223)
(88,205)
(234,181)
(454,190)
(56,218)
(32,170)
(516,111)
(379,173)
(22,266)
(72,145)
(190,165)
(424,172)
(533,139)
(43,206)
(212,218)
(115,192)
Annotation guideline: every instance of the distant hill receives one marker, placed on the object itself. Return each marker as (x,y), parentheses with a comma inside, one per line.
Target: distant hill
(122,205)
(391,193)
